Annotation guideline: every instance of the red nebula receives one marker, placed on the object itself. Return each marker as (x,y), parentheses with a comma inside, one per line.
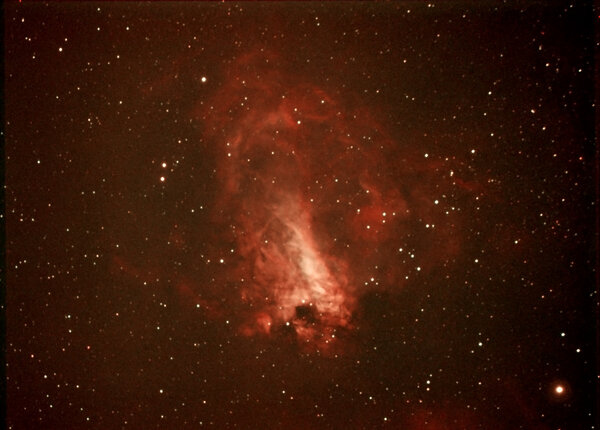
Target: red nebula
(308,182)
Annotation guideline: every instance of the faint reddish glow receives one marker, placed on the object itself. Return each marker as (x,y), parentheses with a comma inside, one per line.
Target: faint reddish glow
(261,324)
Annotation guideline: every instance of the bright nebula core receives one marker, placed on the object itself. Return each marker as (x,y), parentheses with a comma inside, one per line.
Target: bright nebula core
(300,215)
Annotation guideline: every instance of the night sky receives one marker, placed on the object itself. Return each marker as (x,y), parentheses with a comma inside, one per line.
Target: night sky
(300,215)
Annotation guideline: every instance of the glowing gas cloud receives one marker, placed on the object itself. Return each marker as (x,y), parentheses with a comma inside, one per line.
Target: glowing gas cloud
(304,178)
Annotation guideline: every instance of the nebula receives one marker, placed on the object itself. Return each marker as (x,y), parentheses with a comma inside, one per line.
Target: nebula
(289,277)
(308,180)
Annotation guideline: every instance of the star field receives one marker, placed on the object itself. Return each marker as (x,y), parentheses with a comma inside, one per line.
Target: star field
(300,215)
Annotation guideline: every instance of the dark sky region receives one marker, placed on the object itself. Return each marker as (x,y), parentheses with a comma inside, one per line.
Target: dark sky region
(300,215)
